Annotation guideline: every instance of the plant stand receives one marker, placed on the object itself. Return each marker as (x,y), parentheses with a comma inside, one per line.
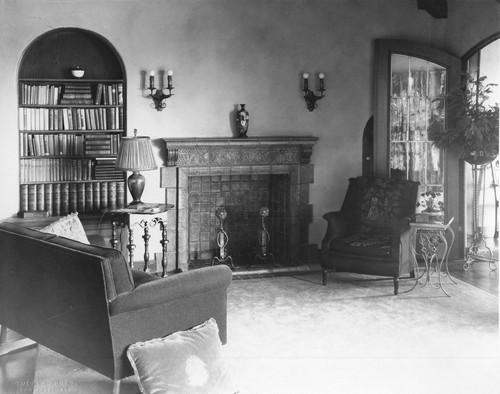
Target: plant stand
(479,250)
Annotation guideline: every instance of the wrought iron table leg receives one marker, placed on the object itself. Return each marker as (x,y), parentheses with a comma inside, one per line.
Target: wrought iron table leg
(163,242)
(146,238)
(131,246)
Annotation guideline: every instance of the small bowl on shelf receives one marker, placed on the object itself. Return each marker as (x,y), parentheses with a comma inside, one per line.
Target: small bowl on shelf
(77,72)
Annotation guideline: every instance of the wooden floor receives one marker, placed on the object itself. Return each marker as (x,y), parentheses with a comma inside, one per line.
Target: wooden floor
(479,274)
(17,370)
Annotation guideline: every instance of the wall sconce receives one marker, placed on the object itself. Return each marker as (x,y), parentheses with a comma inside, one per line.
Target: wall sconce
(309,95)
(158,95)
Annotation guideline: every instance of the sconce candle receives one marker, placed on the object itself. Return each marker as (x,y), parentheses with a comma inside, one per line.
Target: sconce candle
(309,96)
(169,79)
(321,81)
(151,79)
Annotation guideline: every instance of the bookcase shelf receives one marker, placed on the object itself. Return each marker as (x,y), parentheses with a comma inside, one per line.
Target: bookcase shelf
(70,129)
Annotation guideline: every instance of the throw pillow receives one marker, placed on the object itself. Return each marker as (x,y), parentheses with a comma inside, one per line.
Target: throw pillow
(68,226)
(185,362)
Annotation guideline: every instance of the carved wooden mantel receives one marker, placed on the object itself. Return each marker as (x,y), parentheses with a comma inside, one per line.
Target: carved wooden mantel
(187,157)
(239,151)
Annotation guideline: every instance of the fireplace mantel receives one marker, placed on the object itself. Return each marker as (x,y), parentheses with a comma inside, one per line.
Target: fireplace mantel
(227,157)
(239,151)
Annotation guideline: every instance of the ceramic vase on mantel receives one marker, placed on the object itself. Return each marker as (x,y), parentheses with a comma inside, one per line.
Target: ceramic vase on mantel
(242,121)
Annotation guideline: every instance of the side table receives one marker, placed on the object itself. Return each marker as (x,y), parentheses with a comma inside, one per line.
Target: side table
(429,236)
(121,218)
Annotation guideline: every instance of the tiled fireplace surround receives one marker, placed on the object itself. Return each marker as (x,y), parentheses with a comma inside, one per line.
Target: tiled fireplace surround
(202,174)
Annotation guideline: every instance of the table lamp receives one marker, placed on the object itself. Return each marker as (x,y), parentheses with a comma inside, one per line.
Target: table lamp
(136,154)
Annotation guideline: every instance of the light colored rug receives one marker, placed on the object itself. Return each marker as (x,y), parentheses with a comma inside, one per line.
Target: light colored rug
(293,335)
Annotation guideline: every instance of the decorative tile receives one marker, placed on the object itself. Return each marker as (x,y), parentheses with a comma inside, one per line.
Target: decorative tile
(196,156)
(225,156)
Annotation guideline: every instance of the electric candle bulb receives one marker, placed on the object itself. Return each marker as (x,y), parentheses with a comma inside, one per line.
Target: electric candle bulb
(321,81)
(169,79)
(151,79)
(306,82)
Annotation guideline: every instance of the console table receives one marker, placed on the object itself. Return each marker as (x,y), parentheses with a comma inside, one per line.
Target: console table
(121,218)
(424,240)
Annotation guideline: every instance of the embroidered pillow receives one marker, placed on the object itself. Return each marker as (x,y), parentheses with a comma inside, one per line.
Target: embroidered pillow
(185,362)
(69,226)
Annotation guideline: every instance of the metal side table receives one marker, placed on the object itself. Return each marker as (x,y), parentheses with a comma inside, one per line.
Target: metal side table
(428,241)
(120,218)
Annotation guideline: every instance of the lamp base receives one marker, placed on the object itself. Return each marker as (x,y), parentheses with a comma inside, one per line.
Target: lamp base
(136,183)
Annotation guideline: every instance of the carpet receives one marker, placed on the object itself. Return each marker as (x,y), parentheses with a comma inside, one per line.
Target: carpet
(293,335)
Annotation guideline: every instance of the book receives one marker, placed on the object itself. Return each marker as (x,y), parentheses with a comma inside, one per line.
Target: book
(32,206)
(120,194)
(112,195)
(48,198)
(56,199)
(64,198)
(89,197)
(73,197)
(80,197)
(40,197)
(96,196)
(23,197)
(98,95)
(104,195)
(33,214)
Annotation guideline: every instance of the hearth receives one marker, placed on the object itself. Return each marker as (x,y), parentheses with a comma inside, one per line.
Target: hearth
(242,176)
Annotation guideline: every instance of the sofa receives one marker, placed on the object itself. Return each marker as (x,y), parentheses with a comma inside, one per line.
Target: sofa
(84,302)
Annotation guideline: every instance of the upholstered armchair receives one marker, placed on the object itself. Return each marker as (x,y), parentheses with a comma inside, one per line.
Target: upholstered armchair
(370,234)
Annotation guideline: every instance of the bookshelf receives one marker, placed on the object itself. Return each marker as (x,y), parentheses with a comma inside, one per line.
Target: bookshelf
(70,128)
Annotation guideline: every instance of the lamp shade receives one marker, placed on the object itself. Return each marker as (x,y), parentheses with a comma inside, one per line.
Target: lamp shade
(136,154)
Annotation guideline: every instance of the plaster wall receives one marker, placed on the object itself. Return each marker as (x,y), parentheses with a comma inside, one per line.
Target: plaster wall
(226,52)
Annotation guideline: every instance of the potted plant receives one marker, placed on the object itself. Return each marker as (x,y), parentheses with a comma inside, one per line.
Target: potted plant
(431,207)
(474,134)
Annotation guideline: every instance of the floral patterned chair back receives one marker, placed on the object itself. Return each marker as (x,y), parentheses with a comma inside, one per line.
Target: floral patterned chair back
(375,203)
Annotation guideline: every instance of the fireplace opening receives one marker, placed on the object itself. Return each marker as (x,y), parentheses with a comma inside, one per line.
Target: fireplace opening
(242,197)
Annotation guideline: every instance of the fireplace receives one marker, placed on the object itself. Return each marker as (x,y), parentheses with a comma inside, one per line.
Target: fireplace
(241,176)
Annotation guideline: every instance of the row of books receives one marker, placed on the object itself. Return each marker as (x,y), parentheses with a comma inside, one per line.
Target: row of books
(104,169)
(49,170)
(101,144)
(69,144)
(54,170)
(62,198)
(71,93)
(77,94)
(48,119)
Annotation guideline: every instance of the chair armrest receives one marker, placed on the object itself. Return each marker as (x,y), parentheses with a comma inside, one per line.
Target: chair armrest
(337,227)
(401,232)
(171,288)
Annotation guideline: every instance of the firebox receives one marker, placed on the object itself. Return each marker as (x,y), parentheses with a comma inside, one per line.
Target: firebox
(242,176)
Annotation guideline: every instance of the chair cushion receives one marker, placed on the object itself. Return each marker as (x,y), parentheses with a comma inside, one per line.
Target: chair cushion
(185,362)
(68,226)
(375,243)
